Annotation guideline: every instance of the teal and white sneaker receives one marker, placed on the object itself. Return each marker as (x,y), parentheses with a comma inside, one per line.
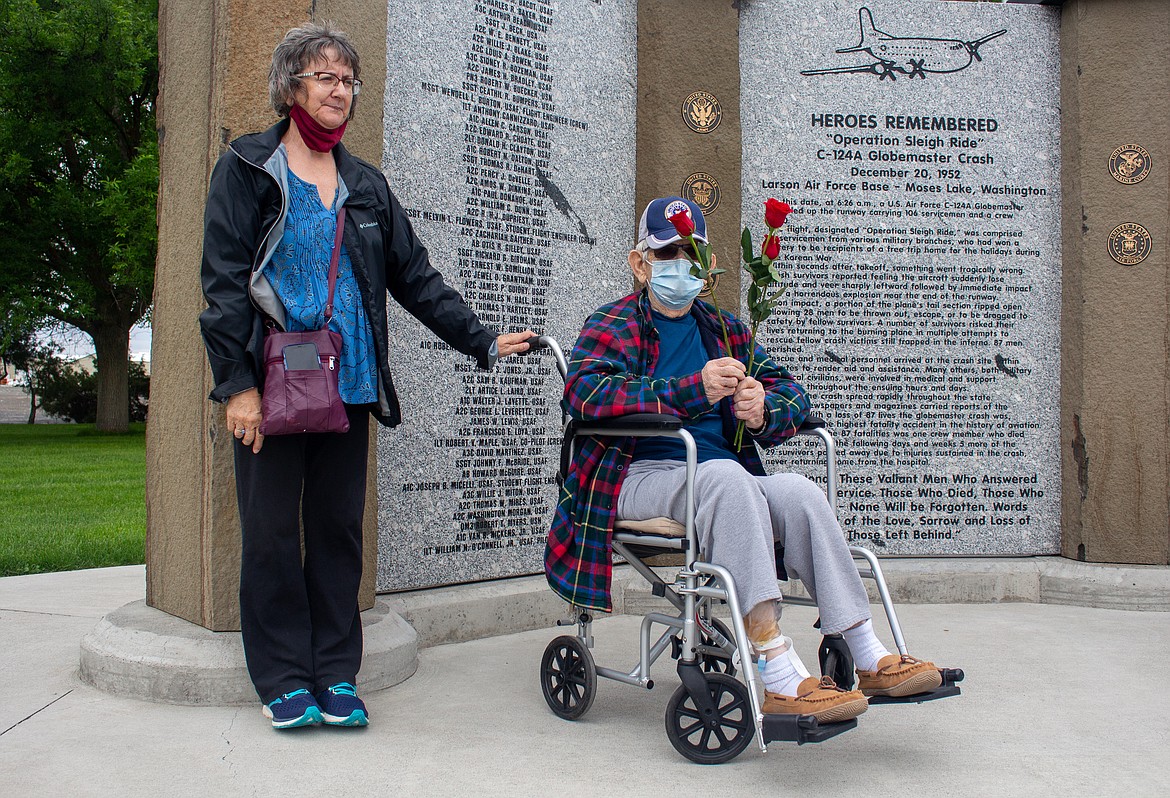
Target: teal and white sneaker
(292,710)
(340,706)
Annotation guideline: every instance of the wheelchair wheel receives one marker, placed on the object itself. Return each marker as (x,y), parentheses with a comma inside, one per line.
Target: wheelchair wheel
(568,677)
(836,661)
(716,739)
(718,663)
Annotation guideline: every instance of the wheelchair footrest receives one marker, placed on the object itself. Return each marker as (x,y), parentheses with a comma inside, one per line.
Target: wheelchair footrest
(802,729)
(947,689)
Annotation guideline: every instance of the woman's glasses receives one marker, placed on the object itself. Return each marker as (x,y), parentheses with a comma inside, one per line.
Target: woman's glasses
(329,81)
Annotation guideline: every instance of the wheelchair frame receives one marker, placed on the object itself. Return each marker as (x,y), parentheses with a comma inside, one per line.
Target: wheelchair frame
(694,635)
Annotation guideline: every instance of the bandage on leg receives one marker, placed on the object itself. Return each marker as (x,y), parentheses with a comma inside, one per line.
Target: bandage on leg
(763,628)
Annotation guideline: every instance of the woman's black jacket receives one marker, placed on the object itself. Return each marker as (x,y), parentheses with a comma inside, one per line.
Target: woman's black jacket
(245,201)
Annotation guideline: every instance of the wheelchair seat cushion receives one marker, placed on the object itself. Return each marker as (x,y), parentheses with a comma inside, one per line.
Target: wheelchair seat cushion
(663,527)
(658,527)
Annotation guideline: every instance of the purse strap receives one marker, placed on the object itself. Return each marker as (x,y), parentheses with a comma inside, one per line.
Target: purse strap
(333,265)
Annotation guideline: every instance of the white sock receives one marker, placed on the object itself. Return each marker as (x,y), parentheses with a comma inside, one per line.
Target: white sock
(864,646)
(784,672)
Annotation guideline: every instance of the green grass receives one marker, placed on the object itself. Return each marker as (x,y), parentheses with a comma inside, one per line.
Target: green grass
(70,498)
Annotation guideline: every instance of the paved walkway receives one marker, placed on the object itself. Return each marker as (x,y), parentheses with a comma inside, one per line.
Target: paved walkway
(1058,701)
(14,407)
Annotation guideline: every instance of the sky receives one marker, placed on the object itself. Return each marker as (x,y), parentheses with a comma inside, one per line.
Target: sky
(75,344)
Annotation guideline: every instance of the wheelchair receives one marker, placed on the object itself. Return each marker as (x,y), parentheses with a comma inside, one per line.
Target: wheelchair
(712,716)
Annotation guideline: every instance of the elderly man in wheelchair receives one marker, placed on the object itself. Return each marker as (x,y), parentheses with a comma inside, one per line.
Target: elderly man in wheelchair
(660,351)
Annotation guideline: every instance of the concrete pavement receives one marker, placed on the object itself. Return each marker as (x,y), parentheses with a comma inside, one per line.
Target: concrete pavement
(1058,700)
(14,407)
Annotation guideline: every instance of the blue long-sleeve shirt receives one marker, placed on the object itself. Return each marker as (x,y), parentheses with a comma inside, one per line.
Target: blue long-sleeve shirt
(299,274)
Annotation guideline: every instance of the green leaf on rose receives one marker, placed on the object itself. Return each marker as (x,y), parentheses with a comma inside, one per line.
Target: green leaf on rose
(745,243)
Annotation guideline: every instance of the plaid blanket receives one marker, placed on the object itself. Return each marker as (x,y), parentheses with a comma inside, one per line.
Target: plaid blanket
(608,377)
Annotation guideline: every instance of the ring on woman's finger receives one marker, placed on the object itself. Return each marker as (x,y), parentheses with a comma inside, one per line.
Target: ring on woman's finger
(240,432)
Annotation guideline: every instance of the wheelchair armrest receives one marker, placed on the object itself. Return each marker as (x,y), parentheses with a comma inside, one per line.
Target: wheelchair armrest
(812,422)
(635,422)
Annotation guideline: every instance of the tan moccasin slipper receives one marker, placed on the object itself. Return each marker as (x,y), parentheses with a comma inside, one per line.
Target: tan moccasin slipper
(823,699)
(898,676)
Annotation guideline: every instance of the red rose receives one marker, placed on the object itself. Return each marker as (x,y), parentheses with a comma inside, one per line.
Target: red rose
(772,247)
(683,223)
(775,212)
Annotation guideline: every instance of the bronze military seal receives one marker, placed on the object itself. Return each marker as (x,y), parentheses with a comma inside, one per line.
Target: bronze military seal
(701,111)
(1130,164)
(703,189)
(1129,243)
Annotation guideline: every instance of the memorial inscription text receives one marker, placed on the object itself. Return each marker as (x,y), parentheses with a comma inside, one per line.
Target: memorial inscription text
(500,205)
(922,265)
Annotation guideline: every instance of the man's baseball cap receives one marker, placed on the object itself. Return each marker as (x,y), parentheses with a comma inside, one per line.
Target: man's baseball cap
(655,228)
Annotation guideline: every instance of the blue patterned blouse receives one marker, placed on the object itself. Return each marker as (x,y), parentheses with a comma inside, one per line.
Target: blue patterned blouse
(299,273)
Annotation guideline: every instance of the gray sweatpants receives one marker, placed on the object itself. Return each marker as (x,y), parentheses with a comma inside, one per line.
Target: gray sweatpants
(738,516)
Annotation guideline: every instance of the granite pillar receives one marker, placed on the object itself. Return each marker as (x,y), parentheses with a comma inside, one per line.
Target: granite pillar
(214,87)
(689,119)
(1115,318)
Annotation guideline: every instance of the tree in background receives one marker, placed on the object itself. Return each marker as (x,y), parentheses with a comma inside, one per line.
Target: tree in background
(79,174)
(66,391)
(20,350)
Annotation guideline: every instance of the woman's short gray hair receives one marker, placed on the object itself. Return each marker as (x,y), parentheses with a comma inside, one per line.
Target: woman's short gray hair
(301,46)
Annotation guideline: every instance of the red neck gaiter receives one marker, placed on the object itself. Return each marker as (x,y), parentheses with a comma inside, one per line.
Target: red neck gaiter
(316,137)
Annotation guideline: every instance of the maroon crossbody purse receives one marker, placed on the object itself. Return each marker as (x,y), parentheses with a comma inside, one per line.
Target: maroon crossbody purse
(300,372)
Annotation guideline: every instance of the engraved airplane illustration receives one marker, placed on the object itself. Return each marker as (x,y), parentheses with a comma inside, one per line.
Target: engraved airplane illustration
(913,56)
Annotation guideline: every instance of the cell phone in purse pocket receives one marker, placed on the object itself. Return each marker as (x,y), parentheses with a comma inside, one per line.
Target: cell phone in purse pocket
(301,357)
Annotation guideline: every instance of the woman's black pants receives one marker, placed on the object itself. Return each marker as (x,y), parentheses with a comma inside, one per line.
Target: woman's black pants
(299,619)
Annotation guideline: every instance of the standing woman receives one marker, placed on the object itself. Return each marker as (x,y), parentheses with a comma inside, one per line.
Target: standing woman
(268,236)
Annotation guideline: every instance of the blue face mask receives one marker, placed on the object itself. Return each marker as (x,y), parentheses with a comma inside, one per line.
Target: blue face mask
(672,283)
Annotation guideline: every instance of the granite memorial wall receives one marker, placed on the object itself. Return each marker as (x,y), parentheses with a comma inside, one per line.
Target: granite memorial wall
(918,143)
(509,139)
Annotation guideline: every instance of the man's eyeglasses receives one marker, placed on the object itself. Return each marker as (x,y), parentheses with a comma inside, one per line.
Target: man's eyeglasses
(330,81)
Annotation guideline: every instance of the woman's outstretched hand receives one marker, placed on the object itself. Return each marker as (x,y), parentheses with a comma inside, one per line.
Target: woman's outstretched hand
(513,343)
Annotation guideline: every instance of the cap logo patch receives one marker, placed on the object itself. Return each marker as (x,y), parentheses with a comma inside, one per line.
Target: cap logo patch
(676,206)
